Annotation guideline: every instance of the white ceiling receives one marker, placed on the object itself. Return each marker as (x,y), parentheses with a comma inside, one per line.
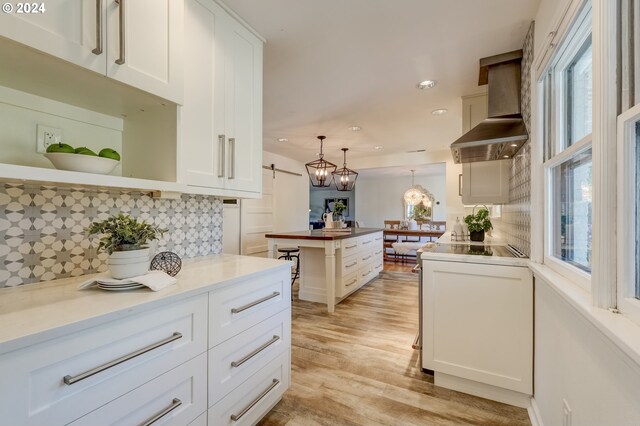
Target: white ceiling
(431,169)
(331,64)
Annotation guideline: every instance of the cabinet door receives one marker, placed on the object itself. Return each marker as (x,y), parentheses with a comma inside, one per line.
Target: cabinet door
(71,30)
(243,107)
(486,182)
(144,46)
(202,145)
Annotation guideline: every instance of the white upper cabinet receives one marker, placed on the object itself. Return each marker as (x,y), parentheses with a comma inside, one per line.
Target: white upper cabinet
(137,42)
(144,45)
(475,108)
(72,30)
(221,119)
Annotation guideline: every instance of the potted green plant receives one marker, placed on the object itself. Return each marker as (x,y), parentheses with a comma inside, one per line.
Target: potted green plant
(125,239)
(478,223)
(338,208)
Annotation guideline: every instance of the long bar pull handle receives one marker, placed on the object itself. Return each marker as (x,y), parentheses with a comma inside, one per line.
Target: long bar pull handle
(351,265)
(352,282)
(121,59)
(236,417)
(174,404)
(257,302)
(350,247)
(221,152)
(366,258)
(232,158)
(255,352)
(69,380)
(98,49)
(366,242)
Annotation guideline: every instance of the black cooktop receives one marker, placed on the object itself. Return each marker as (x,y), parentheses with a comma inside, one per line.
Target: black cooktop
(471,249)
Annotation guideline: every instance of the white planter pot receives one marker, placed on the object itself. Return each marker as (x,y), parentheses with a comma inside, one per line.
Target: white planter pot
(127,264)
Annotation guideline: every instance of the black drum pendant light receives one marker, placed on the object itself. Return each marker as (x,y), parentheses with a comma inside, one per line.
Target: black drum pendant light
(345,178)
(320,171)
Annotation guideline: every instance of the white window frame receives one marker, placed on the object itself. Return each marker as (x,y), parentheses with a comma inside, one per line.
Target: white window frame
(579,32)
(626,218)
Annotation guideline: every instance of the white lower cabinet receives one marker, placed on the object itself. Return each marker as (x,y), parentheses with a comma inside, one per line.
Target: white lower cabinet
(166,365)
(360,261)
(175,398)
(250,401)
(478,323)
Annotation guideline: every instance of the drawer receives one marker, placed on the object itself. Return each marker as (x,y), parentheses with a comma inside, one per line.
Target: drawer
(347,284)
(235,308)
(365,274)
(177,397)
(366,257)
(348,265)
(350,247)
(250,401)
(200,421)
(242,356)
(377,238)
(367,242)
(378,251)
(100,363)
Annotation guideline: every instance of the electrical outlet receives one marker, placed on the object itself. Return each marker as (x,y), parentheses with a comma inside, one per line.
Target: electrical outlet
(46,136)
(566,413)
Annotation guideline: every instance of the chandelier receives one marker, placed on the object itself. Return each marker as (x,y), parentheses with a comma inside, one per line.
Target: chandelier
(320,171)
(345,178)
(417,194)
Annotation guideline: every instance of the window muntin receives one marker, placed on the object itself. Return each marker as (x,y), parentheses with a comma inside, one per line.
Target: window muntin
(571,211)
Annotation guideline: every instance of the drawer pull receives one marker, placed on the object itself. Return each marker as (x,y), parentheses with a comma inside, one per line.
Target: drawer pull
(236,417)
(98,48)
(174,404)
(257,302)
(355,280)
(366,273)
(366,242)
(255,352)
(366,258)
(122,32)
(69,380)
(350,247)
(352,265)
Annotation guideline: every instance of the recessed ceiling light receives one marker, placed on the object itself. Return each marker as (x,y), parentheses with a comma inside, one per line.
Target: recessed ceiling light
(355,128)
(427,84)
(378,147)
(439,111)
(283,140)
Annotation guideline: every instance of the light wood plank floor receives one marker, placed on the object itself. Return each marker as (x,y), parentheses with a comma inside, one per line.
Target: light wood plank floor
(357,367)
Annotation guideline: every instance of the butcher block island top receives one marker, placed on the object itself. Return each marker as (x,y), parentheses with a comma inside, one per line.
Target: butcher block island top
(333,265)
(319,234)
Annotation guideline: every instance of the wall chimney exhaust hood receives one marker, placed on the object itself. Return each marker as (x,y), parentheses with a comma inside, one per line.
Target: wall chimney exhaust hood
(503,133)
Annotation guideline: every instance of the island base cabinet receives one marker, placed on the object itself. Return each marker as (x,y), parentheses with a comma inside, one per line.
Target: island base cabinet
(177,397)
(478,323)
(250,401)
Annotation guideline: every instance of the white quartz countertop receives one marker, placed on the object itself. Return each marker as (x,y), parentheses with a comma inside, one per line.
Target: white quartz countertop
(475,258)
(489,240)
(57,307)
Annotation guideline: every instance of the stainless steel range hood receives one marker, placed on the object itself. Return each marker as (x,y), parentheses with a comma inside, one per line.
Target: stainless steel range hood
(502,134)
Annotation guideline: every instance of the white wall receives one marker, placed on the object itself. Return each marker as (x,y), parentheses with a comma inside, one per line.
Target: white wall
(20,113)
(291,194)
(575,361)
(380,199)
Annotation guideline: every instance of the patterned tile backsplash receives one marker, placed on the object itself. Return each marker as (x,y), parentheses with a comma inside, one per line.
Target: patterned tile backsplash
(515,221)
(43,237)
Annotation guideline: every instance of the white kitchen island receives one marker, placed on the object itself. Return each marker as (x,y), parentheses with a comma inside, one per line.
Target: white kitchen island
(333,265)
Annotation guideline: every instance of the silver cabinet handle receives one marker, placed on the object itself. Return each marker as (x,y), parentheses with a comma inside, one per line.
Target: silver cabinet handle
(366,242)
(352,282)
(69,380)
(221,154)
(353,264)
(350,247)
(174,404)
(121,59)
(255,352)
(366,258)
(257,302)
(232,158)
(236,417)
(98,49)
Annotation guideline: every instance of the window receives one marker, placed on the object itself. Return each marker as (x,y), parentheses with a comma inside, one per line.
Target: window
(567,112)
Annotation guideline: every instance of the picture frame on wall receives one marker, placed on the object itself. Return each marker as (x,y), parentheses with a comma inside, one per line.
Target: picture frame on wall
(328,205)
